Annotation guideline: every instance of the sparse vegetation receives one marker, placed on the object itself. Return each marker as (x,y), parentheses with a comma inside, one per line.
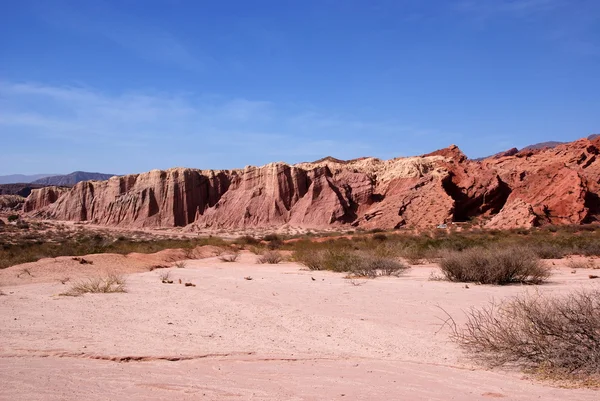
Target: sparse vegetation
(557,337)
(12,217)
(271,257)
(582,264)
(494,266)
(44,240)
(181,264)
(165,277)
(247,240)
(356,263)
(229,257)
(100,285)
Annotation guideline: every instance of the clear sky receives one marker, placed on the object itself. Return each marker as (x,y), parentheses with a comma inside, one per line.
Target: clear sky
(126,86)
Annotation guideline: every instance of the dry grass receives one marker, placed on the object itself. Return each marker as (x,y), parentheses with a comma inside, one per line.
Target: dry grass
(270,257)
(582,264)
(229,257)
(165,277)
(181,264)
(557,337)
(494,266)
(100,285)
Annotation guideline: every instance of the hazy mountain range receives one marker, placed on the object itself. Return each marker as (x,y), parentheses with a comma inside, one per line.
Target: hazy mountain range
(53,179)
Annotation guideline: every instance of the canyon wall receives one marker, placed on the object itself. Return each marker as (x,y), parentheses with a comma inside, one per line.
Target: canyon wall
(511,189)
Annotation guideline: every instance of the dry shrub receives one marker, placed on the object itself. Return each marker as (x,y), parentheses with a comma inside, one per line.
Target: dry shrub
(494,266)
(582,264)
(270,257)
(229,257)
(413,255)
(164,277)
(356,263)
(554,336)
(181,264)
(548,251)
(247,240)
(99,285)
(374,266)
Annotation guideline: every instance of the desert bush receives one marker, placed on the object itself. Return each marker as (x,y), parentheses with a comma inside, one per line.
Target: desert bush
(229,257)
(275,244)
(247,240)
(548,251)
(270,257)
(494,266)
(581,264)
(380,237)
(589,248)
(99,285)
(13,217)
(181,264)
(374,266)
(311,259)
(413,255)
(271,237)
(559,336)
(356,263)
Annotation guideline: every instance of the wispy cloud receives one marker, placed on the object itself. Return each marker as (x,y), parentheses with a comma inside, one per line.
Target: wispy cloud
(220,131)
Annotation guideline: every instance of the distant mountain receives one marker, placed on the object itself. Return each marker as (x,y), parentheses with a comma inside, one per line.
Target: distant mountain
(535,146)
(543,145)
(21,178)
(72,179)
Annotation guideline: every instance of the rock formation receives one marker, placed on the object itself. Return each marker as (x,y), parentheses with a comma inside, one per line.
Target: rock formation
(557,185)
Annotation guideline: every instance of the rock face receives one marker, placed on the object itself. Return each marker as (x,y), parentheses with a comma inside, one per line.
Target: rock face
(10,203)
(42,197)
(557,185)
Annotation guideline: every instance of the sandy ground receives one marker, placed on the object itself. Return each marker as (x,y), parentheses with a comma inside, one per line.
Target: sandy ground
(287,334)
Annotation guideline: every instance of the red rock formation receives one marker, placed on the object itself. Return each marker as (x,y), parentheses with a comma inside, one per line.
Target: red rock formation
(42,197)
(543,186)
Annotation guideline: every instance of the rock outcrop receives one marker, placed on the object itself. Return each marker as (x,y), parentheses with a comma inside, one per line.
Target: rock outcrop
(42,197)
(557,185)
(9,203)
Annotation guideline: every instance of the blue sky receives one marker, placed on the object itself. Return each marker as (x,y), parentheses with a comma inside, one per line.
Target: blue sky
(131,85)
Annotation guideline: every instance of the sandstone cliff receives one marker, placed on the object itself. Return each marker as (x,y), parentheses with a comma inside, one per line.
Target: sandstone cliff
(559,185)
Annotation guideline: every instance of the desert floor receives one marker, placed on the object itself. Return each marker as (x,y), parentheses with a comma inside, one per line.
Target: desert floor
(286,334)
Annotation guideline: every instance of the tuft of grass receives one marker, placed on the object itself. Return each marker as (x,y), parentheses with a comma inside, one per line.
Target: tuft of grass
(229,257)
(100,285)
(181,264)
(270,257)
(165,277)
(494,266)
(557,337)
